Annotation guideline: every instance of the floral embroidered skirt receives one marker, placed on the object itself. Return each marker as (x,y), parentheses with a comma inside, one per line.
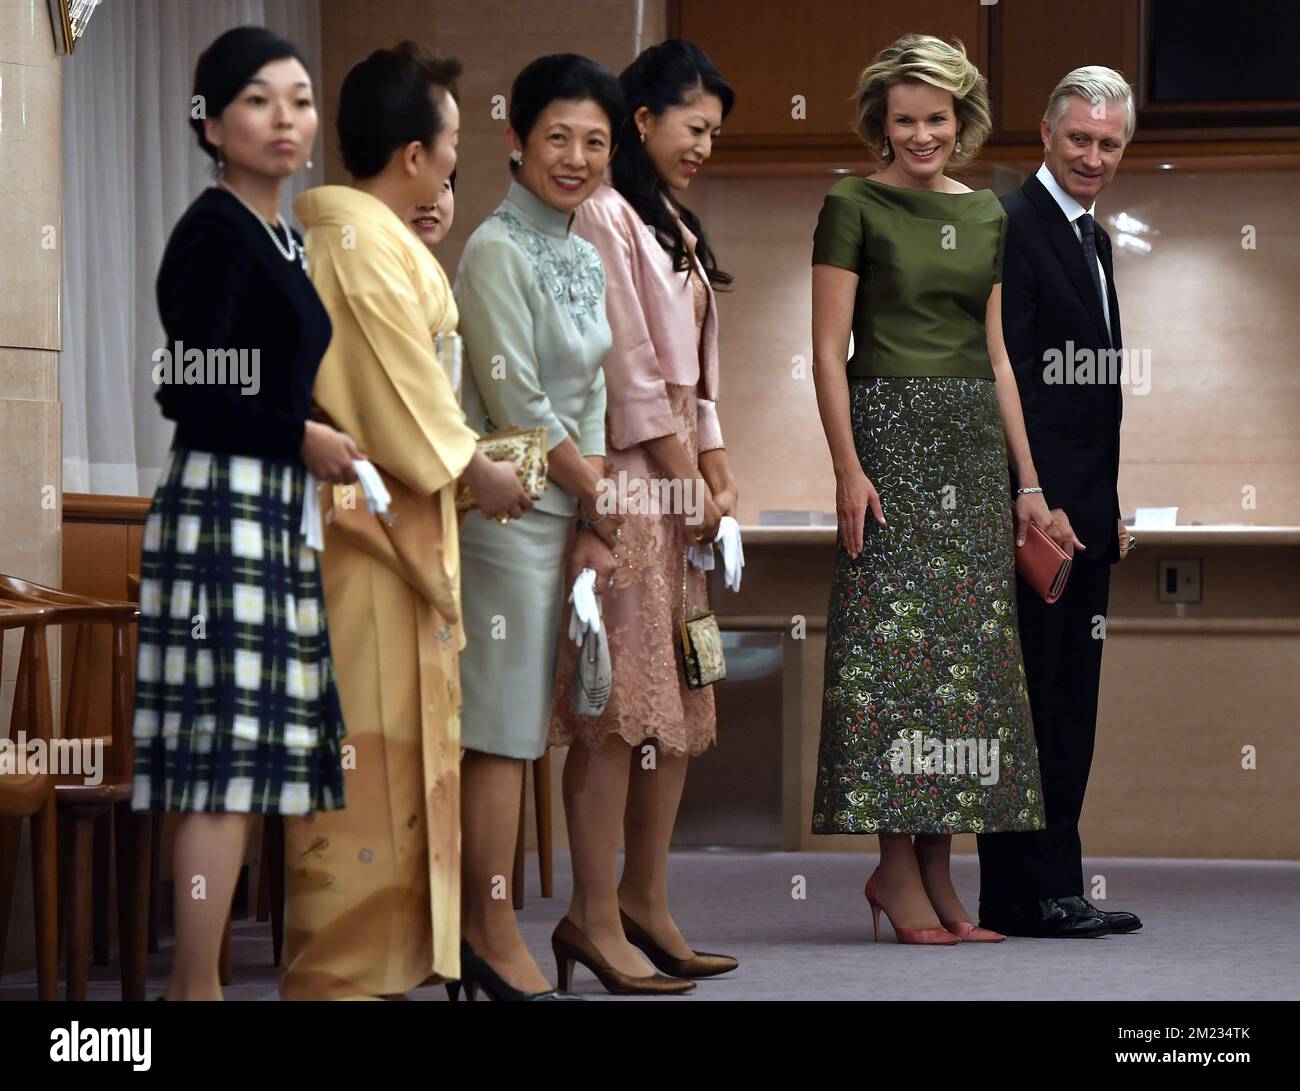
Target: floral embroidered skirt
(235,705)
(649,699)
(926,725)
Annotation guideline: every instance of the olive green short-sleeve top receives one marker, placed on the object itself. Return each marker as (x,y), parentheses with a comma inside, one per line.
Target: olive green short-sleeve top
(926,263)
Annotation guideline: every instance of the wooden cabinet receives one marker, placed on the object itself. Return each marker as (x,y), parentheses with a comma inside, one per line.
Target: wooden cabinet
(1032,45)
(795,66)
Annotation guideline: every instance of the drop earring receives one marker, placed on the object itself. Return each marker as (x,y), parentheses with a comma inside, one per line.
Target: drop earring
(517,157)
(310,164)
(642,136)
(958,147)
(888,150)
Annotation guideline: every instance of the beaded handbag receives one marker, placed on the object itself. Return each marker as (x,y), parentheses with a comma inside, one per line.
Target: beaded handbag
(701,643)
(527,447)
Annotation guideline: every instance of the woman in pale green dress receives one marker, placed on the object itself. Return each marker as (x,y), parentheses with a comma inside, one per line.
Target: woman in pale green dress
(532,315)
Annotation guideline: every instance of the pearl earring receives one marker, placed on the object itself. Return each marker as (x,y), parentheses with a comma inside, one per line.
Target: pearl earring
(517,157)
(310,164)
(888,150)
(958,148)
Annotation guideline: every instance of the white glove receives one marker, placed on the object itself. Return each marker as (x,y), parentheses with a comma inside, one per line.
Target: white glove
(310,526)
(372,486)
(733,553)
(701,556)
(586,612)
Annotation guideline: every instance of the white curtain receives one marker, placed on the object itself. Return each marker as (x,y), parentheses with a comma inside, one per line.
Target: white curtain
(131,166)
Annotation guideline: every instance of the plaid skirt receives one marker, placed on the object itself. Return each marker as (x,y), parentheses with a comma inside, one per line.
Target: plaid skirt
(236,708)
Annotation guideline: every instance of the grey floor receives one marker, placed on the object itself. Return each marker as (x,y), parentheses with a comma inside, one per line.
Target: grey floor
(1215,930)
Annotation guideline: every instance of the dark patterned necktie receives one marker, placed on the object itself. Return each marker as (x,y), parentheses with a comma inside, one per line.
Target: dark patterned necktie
(1088,229)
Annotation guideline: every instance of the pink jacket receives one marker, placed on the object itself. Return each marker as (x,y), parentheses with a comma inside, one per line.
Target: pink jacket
(651,311)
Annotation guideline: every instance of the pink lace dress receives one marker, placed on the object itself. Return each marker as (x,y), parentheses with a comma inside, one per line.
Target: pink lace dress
(650,698)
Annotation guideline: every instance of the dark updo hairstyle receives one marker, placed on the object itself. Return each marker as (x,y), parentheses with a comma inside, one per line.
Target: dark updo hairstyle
(388,100)
(563,77)
(664,76)
(226,66)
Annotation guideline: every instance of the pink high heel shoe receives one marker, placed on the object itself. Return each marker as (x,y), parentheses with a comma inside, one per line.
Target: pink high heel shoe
(926,936)
(969,933)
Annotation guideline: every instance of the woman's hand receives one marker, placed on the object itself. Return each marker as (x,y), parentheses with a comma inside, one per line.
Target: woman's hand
(496,487)
(328,453)
(726,499)
(855,495)
(589,551)
(1063,534)
(1032,508)
(710,516)
(605,525)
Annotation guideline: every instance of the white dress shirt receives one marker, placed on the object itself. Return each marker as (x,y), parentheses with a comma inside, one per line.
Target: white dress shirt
(1073,210)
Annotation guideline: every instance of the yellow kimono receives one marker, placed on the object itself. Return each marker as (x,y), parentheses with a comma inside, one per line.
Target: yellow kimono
(373,891)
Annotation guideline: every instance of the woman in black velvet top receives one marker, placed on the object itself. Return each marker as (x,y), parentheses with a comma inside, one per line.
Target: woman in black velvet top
(236,710)
(224,284)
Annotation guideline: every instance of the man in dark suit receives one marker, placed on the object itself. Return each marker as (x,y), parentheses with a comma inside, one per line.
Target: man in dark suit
(1061,325)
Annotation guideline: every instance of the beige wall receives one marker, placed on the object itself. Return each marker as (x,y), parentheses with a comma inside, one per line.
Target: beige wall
(1177,706)
(1224,407)
(1223,411)
(493,41)
(30,238)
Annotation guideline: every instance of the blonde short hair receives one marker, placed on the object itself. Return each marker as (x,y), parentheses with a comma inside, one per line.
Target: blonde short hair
(1096,84)
(922,58)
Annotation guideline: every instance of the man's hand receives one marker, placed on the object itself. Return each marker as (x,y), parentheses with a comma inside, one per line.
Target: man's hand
(1062,533)
(1126,541)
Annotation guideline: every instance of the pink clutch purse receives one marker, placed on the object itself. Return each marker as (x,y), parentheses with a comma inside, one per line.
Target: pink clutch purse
(1043,564)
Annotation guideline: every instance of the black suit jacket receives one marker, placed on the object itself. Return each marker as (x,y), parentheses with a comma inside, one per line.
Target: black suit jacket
(1049,303)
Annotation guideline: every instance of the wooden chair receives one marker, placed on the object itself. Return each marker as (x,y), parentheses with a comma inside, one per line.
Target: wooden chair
(31,796)
(81,806)
(542,807)
(270,883)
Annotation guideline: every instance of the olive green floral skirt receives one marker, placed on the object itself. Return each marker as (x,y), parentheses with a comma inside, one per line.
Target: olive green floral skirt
(925,716)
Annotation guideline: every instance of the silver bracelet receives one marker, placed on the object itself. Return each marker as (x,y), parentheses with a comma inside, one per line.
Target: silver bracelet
(1034,489)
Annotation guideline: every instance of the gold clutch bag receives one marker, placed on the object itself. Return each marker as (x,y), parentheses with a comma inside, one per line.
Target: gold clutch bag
(527,447)
(701,644)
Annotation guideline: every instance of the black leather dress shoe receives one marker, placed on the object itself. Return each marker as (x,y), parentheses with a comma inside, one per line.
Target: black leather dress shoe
(1118,921)
(1041,919)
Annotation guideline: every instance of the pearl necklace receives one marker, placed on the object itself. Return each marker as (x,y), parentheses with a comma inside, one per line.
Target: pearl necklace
(294,250)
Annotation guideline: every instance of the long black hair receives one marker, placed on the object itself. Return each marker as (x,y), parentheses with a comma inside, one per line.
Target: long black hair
(664,76)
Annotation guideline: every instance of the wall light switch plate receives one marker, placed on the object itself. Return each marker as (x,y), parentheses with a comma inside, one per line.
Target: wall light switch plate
(1178,579)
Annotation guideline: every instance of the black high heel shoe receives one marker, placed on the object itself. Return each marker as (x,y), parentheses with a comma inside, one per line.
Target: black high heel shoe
(475,975)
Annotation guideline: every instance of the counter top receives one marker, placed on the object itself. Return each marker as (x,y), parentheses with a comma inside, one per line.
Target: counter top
(1230,535)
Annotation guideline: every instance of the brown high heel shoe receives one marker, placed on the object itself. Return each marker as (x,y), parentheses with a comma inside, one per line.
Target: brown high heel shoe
(700,964)
(570,946)
(925,936)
